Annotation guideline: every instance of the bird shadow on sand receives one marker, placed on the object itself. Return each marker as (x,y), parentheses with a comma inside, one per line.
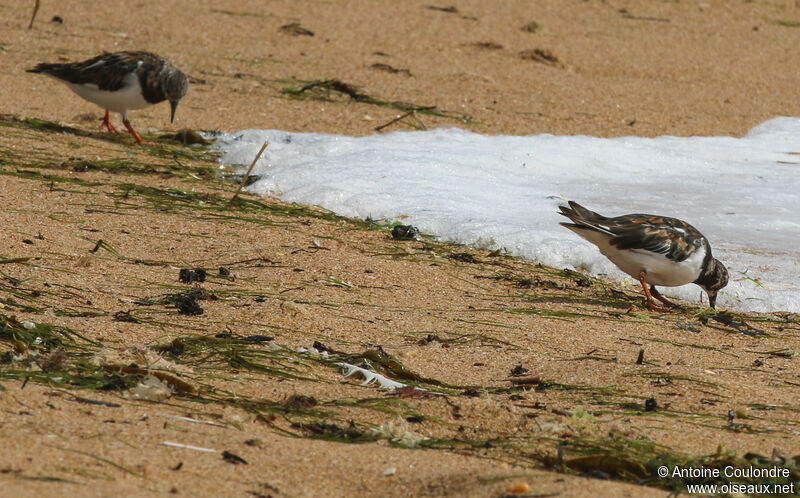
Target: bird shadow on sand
(51,126)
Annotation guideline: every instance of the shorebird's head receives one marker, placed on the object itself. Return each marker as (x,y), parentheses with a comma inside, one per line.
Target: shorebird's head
(713,278)
(177,85)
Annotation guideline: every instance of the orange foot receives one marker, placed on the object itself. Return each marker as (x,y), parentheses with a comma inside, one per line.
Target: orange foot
(135,135)
(661,298)
(106,123)
(652,305)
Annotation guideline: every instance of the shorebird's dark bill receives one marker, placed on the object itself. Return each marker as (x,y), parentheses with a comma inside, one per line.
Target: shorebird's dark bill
(174,106)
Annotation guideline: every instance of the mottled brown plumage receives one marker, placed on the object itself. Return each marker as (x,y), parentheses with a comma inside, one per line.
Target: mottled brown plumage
(656,250)
(122,81)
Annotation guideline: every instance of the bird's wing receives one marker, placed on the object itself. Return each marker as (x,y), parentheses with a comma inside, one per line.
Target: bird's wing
(107,71)
(674,238)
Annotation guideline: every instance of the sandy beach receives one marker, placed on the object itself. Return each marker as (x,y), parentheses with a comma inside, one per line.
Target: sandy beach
(117,377)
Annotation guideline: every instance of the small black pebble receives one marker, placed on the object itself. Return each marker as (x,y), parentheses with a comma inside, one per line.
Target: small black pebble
(259,338)
(518,371)
(224,272)
(187,305)
(405,232)
(650,405)
(233,458)
(416,419)
(321,347)
(188,276)
(57,20)
(27,241)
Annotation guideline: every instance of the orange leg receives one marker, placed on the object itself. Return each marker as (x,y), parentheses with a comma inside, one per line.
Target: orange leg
(105,122)
(651,305)
(661,298)
(133,132)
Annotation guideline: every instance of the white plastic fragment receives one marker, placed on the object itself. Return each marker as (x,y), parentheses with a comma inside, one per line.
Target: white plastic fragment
(399,433)
(151,389)
(312,351)
(371,377)
(192,420)
(187,447)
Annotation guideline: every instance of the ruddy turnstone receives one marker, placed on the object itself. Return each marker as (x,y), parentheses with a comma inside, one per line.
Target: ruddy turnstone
(655,250)
(122,81)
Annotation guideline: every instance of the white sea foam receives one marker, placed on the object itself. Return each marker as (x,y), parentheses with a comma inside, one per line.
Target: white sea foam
(503,191)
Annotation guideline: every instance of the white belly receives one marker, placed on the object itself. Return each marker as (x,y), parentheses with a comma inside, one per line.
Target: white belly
(127,98)
(658,269)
